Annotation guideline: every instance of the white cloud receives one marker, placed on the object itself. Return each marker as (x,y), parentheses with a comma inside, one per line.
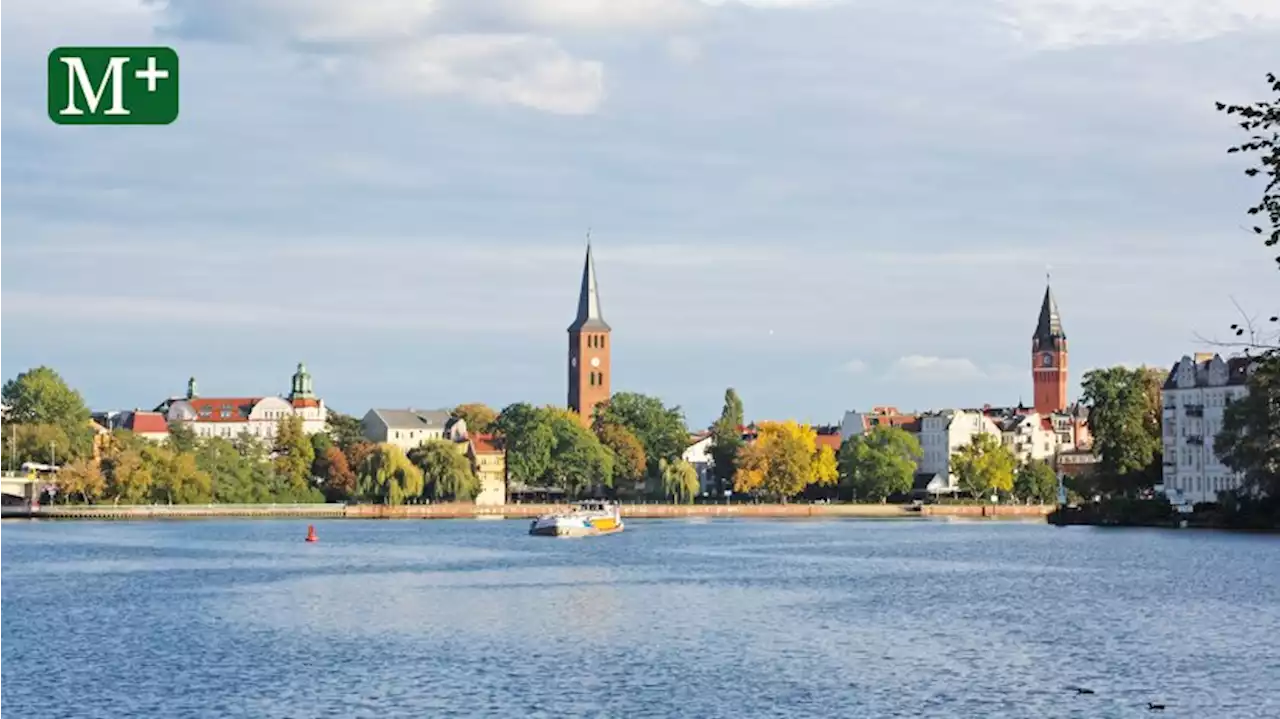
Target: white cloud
(936,369)
(524,70)
(854,366)
(1060,24)
(683,50)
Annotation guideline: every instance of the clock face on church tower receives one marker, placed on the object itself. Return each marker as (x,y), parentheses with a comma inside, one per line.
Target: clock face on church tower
(1046,360)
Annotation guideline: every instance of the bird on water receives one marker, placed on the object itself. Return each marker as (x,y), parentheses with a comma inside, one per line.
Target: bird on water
(1081,690)
(1155,707)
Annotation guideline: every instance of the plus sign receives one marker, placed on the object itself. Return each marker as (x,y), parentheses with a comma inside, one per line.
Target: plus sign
(151,74)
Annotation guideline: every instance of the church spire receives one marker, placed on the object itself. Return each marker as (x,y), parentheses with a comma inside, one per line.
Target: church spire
(1049,326)
(589,315)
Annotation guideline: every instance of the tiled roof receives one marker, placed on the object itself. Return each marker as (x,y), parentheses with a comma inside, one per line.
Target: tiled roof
(486,444)
(414,418)
(1237,371)
(828,440)
(210,409)
(148,422)
(305,402)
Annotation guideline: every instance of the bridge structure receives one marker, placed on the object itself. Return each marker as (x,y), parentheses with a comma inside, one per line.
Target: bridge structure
(21,489)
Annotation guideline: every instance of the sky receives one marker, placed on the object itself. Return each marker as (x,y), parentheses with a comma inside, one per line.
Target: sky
(827,205)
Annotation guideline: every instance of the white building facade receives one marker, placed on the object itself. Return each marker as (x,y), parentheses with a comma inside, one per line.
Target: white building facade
(228,417)
(1030,437)
(409,428)
(1195,394)
(944,433)
(698,454)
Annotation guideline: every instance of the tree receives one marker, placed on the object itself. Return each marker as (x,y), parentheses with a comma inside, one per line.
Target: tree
(679,481)
(1249,441)
(445,471)
(40,396)
(337,481)
(1036,481)
(726,440)
(1262,121)
(389,477)
(344,430)
(81,477)
(235,479)
(479,417)
(628,454)
(984,465)
(661,430)
(182,438)
(579,462)
(41,443)
(128,477)
(826,470)
(359,455)
(529,440)
(175,478)
(1124,418)
(880,463)
(779,464)
(294,454)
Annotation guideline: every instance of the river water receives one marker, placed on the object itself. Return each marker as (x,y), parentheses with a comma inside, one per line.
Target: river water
(676,618)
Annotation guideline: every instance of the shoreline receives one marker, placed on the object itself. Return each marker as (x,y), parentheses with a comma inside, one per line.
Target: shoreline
(457,510)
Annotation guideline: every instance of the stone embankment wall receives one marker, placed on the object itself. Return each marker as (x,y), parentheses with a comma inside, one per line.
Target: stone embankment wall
(517,511)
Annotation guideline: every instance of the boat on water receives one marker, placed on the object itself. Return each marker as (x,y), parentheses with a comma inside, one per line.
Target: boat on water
(589,518)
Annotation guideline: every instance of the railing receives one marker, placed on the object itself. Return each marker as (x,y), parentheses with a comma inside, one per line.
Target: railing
(1195,439)
(1194,410)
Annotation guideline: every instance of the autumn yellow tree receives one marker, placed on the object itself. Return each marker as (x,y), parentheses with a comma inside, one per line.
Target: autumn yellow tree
(984,465)
(783,461)
(82,478)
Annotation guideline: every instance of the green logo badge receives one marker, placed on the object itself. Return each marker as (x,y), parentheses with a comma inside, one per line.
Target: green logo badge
(113,85)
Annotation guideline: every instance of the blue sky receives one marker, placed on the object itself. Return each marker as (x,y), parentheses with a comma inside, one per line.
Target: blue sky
(827,205)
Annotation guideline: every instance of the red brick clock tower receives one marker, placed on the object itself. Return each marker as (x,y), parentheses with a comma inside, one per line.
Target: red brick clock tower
(1049,358)
(589,346)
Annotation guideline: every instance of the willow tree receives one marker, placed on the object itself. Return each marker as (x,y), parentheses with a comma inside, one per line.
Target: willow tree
(389,477)
(446,472)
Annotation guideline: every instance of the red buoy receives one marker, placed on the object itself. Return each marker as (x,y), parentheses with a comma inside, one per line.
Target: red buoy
(311,533)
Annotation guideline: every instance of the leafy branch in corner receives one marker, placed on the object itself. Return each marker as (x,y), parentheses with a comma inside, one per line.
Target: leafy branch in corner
(1262,121)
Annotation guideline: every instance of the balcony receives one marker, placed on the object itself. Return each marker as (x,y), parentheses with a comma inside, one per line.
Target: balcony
(1195,439)
(1194,410)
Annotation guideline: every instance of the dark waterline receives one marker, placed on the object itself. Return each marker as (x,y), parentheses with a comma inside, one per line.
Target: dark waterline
(698,618)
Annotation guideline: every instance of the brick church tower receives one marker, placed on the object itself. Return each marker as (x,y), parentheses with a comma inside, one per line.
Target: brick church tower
(1049,358)
(589,347)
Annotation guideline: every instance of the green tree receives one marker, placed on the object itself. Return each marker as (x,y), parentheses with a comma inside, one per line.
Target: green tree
(175,478)
(446,472)
(1036,481)
(1124,418)
(679,481)
(234,478)
(479,417)
(529,440)
(39,396)
(628,454)
(41,443)
(1249,441)
(726,440)
(390,478)
(182,438)
(344,430)
(880,463)
(661,430)
(579,462)
(984,465)
(294,455)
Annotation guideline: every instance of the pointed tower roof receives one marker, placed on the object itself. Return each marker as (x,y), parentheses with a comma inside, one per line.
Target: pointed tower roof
(589,316)
(1049,326)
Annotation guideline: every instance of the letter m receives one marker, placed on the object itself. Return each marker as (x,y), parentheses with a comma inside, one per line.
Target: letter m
(78,78)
